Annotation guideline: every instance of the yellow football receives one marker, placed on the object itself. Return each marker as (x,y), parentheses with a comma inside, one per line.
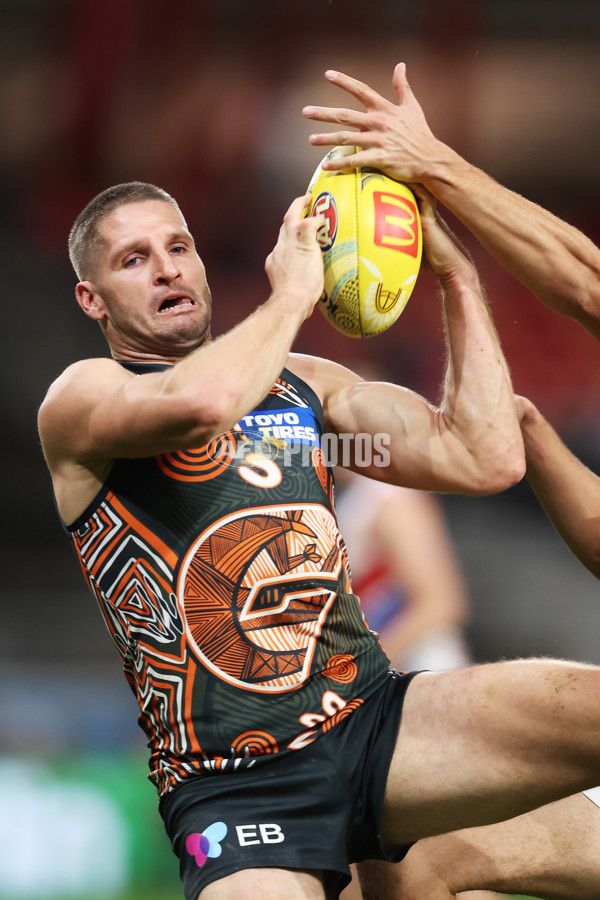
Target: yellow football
(371,245)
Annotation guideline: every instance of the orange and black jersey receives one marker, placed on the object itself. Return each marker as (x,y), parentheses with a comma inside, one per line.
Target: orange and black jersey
(224,582)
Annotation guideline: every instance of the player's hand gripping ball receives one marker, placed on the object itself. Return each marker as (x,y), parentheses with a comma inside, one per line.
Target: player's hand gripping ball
(371,245)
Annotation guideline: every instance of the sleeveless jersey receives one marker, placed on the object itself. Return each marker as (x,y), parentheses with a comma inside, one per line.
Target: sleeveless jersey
(224,582)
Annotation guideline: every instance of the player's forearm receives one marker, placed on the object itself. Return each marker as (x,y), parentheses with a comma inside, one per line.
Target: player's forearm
(552,259)
(568,491)
(478,403)
(471,443)
(235,372)
(200,397)
(216,385)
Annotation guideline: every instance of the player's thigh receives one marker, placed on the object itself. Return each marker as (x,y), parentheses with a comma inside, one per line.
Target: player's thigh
(274,884)
(486,743)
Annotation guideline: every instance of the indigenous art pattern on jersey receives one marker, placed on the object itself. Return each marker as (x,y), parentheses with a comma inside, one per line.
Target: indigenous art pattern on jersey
(224,582)
(282,567)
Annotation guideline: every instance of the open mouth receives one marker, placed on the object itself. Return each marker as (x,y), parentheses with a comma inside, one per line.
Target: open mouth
(179,302)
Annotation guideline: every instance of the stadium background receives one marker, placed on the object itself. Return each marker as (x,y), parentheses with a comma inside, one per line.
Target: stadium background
(204,99)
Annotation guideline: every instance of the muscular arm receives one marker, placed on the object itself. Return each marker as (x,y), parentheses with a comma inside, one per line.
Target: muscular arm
(98,410)
(554,260)
(551,258)
(471,443)
(568,491)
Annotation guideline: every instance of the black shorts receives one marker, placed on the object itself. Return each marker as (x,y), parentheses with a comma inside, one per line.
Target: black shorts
(315,808)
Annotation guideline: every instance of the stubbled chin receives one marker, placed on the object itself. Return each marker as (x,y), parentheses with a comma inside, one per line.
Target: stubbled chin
(183,333)
(168,337)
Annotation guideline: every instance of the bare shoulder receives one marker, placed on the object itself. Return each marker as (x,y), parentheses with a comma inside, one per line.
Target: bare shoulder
(88,372)
(323,375)
(74,391)
(83,377)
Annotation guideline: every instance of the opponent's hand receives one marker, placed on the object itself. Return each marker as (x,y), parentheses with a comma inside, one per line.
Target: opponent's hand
(394,137)
(295,265)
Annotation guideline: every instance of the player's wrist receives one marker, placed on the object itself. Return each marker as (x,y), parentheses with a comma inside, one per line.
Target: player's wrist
(295,301)
(444,168)
(459,278)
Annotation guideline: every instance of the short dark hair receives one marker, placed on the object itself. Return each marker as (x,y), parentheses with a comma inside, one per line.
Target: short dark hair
(84,237)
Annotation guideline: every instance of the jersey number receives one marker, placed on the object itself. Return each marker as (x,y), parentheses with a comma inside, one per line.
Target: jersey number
(264,472)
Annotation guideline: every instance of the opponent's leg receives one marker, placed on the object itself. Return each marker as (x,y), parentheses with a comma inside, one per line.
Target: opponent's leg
(257,884)
(490,742)
(381,880)
(552,852)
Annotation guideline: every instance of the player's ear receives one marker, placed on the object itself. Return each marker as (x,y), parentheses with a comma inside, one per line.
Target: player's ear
(90,300)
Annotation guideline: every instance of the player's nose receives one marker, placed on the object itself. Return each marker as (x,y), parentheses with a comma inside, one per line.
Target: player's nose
(165,267)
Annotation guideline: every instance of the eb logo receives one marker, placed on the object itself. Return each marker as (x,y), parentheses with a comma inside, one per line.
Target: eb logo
(259,834)
(207,845)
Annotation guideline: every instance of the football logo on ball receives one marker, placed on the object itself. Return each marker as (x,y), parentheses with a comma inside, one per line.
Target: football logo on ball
(371,243)
(325,205)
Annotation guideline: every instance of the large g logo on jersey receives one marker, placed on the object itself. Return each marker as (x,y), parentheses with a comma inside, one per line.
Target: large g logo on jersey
(255,589)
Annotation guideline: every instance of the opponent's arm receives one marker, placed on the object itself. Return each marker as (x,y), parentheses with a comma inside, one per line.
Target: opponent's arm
(96,409)
(551,258)
(471,443)
(568,491)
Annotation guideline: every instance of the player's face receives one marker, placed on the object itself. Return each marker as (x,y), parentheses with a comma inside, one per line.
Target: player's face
(150,283)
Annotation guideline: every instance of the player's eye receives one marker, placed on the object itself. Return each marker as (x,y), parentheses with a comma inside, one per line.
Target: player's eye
(131,261)
(178,249)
